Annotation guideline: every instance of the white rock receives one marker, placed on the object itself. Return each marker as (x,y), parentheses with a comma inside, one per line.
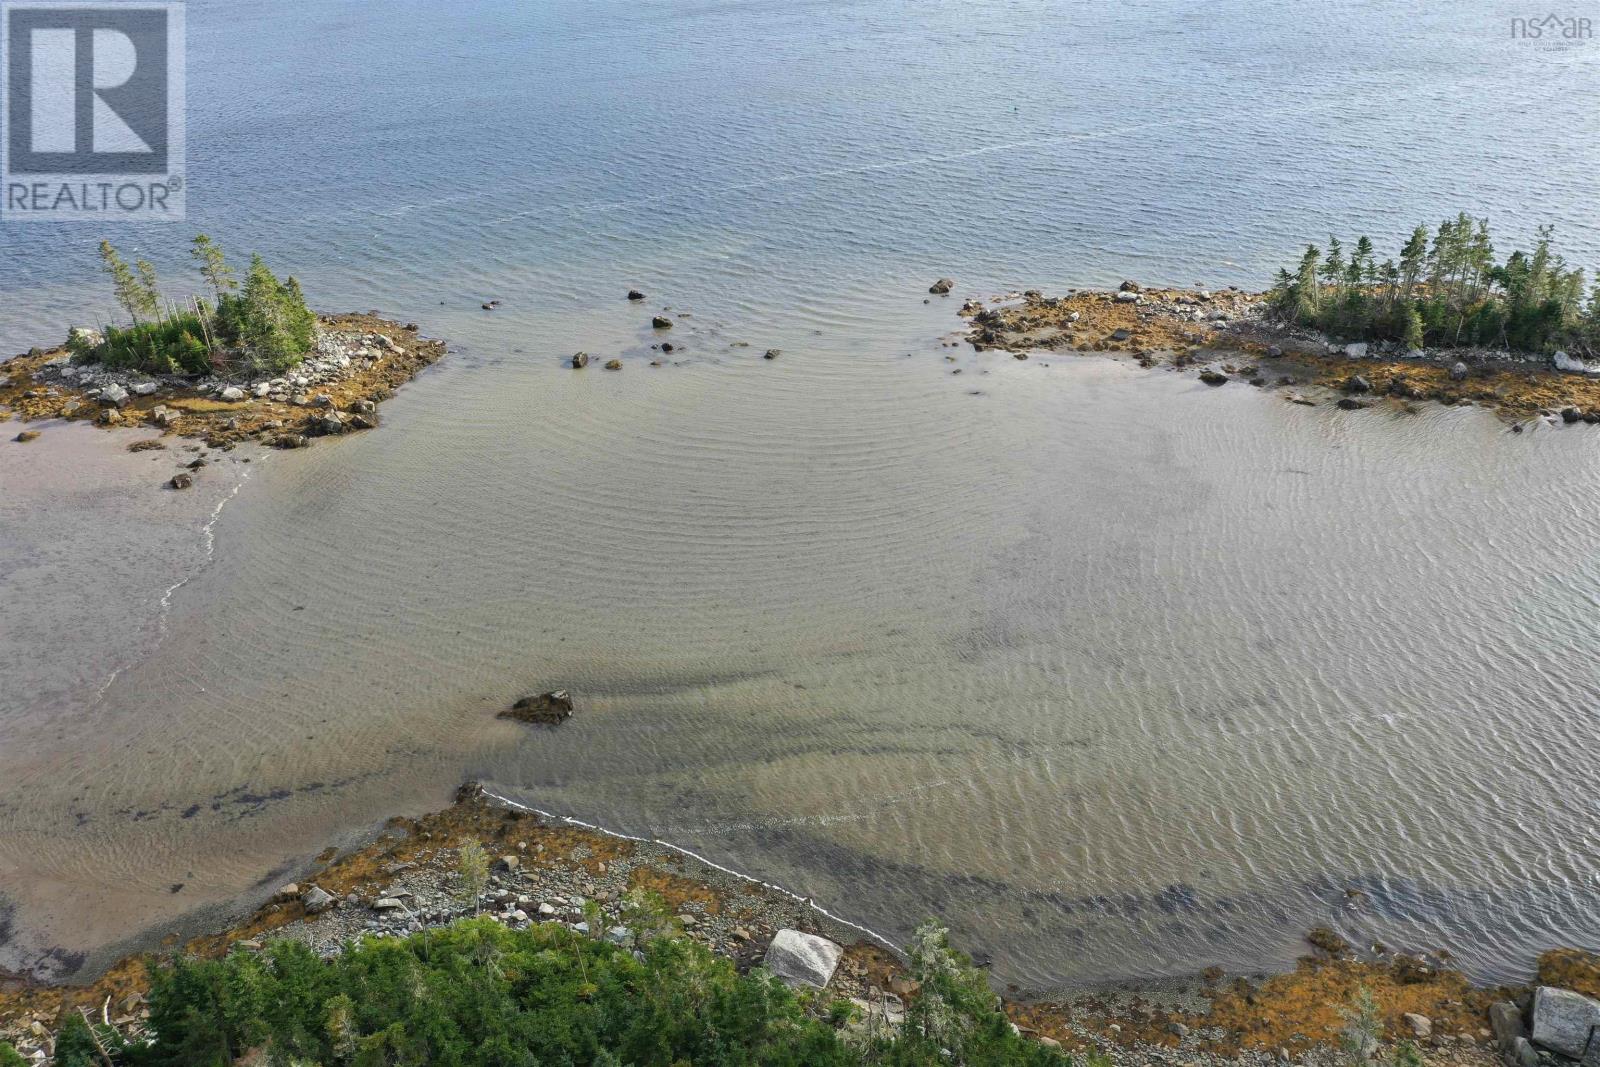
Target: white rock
(802,959)
(386,904)
(114,394)
(1420,1025)
(317,899)
(1127,298)
(145,389)
(1563,1019)
(1562,361)
(1356,350)
(262,388)
(232,392)
(547,911)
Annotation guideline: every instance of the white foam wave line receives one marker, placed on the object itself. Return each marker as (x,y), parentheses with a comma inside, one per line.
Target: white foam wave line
(791,894)
(165,603)
(895,164)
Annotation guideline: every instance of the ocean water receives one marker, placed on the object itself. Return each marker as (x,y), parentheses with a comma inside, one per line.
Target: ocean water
(1119,675)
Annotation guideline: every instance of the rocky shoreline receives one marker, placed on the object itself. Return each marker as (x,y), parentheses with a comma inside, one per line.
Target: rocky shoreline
(406,879)
(1230,336)
(358,362)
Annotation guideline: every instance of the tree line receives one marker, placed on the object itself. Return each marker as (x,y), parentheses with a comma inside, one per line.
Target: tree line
(1446,289)
(477,994)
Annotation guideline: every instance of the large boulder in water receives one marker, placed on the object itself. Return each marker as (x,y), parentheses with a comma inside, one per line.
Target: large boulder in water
(546,709)
(802,959)
(942,286)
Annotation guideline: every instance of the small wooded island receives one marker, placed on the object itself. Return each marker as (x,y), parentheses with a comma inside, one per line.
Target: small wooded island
(246,360)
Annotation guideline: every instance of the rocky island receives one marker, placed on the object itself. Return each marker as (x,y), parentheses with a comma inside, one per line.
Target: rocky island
(253,365)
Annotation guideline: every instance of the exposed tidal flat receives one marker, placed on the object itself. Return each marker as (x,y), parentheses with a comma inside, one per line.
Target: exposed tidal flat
(1121,675)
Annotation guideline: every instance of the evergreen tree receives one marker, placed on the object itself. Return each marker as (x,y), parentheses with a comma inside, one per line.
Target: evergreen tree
(213,267)
(129,292)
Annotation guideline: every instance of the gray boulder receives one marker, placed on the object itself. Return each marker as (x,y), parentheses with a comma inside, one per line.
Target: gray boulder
(232,393)
(1357,350)
(316,900)
(1523,1054)
(114,395)
(1458,372)
(144,389)
(1127,296)
(942,286)
(802,959)
(1506,1020)
(1562,1020)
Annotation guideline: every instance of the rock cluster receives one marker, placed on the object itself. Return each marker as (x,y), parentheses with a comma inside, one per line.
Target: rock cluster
(1547,1028)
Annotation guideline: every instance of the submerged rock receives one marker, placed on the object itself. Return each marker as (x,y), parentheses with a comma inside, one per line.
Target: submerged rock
(546,709)
(613,364)
(661,322)
(1213,377)
(580,360)
(634,294)
(1357,384)
(942,286)
(772,353)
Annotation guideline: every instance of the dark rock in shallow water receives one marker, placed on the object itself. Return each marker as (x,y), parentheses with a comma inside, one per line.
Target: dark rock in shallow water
(613,364)
(1213,377)
(634,294)
(181,481)
(1349,403)
(661,322)
(290,440)
(772,353)
(1357,384)
(580,360)
(546,709)
(942,286)
(1128,287)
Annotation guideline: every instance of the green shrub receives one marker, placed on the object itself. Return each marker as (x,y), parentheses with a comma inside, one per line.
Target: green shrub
(477,993)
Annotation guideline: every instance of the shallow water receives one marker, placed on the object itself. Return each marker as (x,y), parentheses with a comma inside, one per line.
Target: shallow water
(1121,675)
